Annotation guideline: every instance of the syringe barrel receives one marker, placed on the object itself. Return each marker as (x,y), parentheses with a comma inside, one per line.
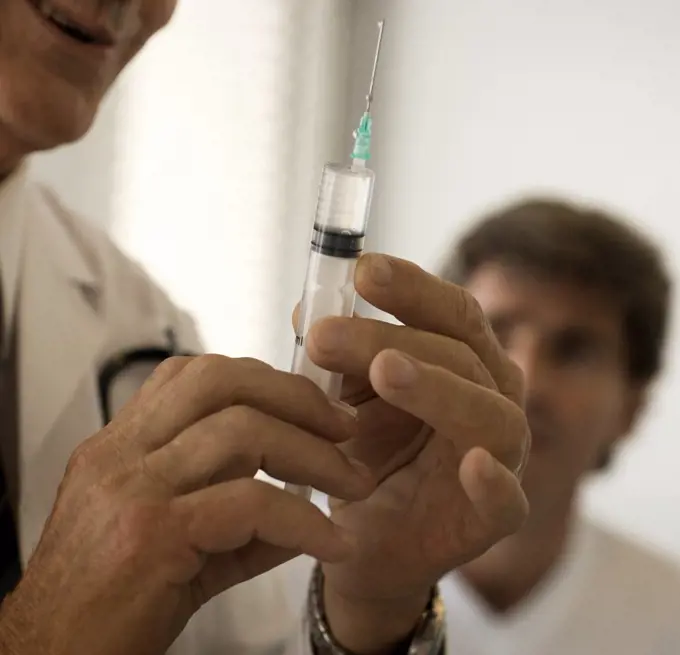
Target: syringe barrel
(345,195)
(337,242)
(342,212)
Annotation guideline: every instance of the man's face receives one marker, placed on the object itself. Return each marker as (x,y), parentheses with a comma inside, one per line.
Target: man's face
(57,60)
(570,344)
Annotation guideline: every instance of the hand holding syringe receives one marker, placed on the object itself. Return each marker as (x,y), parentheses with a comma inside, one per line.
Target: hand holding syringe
(340,223)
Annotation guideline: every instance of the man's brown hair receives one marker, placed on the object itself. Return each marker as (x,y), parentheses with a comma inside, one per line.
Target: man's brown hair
(585,246)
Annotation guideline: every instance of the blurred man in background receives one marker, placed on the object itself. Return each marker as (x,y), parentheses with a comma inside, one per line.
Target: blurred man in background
(580,302)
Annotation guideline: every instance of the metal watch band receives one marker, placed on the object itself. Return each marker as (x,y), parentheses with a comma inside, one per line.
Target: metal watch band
(428,637)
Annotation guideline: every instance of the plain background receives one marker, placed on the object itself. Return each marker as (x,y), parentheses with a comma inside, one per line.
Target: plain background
(477,103)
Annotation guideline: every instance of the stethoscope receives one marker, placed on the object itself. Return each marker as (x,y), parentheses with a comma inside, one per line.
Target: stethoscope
(131,367)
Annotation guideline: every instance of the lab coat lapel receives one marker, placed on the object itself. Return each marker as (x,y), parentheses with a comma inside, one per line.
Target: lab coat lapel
(61,329)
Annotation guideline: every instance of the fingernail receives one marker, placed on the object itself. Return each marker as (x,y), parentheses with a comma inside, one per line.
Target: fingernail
(345,408)
(380,270)
(330,337)
(400,371)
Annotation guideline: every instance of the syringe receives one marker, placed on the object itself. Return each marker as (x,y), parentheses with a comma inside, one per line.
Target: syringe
(342,212)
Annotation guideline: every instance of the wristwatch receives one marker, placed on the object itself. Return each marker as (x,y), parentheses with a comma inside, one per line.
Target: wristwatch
(428,638)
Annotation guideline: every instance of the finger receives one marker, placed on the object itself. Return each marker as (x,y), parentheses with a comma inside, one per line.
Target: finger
(296,315)
(495,493)
(225,517)
(165,371)
(160,376)
(239,441)
(354,389)
(426,302)
(469,414)
(349,346)
(209,384)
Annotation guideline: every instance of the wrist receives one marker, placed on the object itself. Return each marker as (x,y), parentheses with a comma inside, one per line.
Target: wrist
(342,625)
(373,628)
(15,630)
(30,622)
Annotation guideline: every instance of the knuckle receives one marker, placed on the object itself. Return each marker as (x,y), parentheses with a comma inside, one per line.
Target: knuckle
(253,363)
(469,311)
(82,457)
(219,372)
(243,445)
(240,419)
(209,364)
(168,369)
(250,495)
(213,372)
(307,389)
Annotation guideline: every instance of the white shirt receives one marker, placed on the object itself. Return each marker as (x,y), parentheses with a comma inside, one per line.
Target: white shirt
(608,596)
(12,196)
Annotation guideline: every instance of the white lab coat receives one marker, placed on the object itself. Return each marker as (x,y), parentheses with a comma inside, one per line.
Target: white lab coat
(80,302)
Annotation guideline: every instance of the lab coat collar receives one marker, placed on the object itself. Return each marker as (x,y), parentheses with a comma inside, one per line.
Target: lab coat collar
(60,317)
(12,197)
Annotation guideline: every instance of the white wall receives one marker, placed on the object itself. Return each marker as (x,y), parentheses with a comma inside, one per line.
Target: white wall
(480,101)
(87,173)
(205,159)
(221,152)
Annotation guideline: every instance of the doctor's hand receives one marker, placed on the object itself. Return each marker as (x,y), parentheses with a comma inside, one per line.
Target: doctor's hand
(441,426)
(159,511)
